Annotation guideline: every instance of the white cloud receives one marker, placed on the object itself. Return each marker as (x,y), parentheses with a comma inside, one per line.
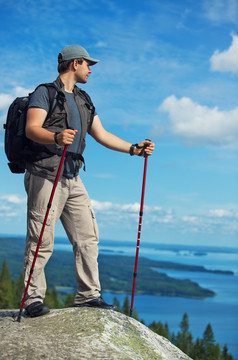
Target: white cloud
(198,124)
(20,91)
(113,208)
(13,199)
(131,207)
(127,212)
(226,60)
(101,206)
(12,206)
(221,213)
(213,221)
(111,215)
(222,220)
(8,214)
(208,221)
(7,99)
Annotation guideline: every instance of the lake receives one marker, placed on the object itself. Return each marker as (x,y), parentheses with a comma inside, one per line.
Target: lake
(220,311)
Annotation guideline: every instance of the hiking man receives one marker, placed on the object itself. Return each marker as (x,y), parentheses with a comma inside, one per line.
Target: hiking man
(72,117)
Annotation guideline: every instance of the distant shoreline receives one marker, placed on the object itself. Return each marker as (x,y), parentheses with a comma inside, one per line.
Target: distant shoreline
(197,249)
(116,278)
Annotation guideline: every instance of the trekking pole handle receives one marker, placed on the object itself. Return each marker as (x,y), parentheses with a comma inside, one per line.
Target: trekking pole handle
(145,146)
(142,153)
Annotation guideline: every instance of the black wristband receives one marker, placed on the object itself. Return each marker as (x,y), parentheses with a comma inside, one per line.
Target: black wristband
(55,137)
(131,151)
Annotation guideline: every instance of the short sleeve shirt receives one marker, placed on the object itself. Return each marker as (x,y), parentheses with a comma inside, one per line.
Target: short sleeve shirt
(40,99)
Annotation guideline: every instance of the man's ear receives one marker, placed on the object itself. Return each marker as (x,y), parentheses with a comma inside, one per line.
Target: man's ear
(74,64)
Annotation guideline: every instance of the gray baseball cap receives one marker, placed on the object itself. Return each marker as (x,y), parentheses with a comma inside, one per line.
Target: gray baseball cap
(75,52)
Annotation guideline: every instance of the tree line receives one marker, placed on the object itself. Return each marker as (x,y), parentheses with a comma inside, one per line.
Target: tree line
(205,348)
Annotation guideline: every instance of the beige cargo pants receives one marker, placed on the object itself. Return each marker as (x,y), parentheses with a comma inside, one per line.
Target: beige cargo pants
(71,204)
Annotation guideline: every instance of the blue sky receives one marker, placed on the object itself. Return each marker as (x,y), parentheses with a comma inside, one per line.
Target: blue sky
(168,71)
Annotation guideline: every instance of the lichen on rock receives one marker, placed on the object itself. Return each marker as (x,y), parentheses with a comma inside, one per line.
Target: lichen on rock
(82,334)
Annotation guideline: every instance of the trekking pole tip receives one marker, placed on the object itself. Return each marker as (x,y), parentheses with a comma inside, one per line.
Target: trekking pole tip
(19,316)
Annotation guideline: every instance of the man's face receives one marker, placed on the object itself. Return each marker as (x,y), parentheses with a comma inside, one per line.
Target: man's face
(82,72)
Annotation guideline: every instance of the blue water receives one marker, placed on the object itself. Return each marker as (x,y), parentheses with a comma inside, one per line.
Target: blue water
(220,311)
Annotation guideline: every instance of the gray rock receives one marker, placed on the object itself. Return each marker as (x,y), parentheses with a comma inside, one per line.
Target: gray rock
(82,334)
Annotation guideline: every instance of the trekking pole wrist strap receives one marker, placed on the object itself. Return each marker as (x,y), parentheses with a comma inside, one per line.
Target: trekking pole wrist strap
(132,148)
(131,151)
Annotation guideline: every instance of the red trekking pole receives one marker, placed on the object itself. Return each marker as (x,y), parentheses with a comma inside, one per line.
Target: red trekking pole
(139,233)
(42,231)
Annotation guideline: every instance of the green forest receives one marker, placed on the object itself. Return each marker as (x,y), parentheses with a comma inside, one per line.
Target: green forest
(204,348)
(151,280)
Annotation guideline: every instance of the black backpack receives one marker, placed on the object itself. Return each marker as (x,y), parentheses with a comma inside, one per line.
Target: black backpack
(16,142)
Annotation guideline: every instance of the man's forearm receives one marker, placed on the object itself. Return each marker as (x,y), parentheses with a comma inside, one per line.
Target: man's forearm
(113,142)
(40,135)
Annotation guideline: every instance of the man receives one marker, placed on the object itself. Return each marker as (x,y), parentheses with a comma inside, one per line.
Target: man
(73,116)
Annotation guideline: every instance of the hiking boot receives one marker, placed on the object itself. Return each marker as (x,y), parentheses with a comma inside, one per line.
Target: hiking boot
(36,309)
(98,303)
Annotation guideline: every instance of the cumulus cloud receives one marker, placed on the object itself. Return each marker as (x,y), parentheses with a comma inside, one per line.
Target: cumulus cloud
(200,221)
(7,99)
(210,222)
(197,124)
(102,206)
(112,215)
(109,206)
(13,199)
(127,212)
(12,206)
(224,220)
(226,60)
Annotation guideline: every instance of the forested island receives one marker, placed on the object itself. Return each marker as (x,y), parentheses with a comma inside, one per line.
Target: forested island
(116,272)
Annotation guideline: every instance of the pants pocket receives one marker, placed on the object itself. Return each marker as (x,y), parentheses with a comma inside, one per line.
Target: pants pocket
(94,221)
(36,220)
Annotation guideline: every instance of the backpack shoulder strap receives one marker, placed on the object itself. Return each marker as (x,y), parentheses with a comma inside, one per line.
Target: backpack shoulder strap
(55,96)
(86,96)
(91,107)
(52,98)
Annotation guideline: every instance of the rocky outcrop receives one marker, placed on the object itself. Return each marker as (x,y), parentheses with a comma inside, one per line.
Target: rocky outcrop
(79,334)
